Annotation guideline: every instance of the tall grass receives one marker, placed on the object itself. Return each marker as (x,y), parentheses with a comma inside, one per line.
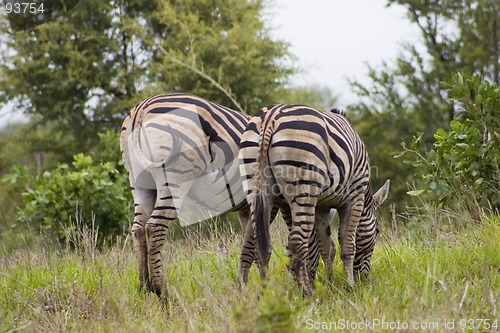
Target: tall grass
(430,272)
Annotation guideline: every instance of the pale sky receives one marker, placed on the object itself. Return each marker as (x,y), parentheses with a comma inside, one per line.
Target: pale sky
(335,39)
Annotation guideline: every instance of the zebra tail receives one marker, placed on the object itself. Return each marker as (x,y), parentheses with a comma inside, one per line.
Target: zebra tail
(124,146)
(263,243)
(263,201)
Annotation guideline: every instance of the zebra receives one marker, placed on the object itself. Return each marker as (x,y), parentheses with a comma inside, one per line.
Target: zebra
(307,162)
(179,149)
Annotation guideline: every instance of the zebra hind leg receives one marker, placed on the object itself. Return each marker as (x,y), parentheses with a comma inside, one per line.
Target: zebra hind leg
(248,253)
(143,201)
(247,256)
(313,248)
(298,242)
(162,217)
(242,277)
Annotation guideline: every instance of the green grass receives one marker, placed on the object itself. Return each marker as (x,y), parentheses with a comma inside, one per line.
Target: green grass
(441,276)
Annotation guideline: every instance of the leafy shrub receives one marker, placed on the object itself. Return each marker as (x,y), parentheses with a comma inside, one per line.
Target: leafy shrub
(95,192)
(465,159)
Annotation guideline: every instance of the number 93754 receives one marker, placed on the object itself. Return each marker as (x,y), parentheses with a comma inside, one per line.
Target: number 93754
(24,7)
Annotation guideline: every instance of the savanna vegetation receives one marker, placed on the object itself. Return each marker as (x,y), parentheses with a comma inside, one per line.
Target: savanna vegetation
(437,274)
(430,118)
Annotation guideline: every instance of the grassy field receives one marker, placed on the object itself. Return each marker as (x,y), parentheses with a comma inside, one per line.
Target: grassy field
(427,277)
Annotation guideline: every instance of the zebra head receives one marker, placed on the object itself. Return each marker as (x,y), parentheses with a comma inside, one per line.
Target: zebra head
(367,232)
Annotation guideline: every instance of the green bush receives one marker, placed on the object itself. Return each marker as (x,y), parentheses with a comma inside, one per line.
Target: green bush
(89,191)
(465,160)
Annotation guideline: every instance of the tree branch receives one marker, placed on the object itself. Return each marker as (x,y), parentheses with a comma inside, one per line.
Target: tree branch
(203,75)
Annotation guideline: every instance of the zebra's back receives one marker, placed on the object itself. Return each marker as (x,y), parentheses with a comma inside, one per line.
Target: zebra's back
(308,144)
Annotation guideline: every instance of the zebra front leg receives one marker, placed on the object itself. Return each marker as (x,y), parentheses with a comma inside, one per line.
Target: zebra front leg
(143,202)
(326,244)
(349,219)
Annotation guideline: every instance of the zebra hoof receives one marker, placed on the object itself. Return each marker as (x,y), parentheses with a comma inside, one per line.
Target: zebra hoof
(240,282)
(307,292)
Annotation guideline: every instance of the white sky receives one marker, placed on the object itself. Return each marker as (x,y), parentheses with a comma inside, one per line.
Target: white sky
(335,39)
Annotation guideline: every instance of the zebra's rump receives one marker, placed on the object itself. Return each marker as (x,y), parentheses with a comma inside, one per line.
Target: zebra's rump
(188,144)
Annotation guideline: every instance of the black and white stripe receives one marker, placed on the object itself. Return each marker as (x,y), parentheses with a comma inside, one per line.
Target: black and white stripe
(182,150)
(307,162)
(179,149)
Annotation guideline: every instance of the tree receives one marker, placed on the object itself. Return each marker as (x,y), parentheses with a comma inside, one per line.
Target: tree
(88,192)
(463,167)
(407,96)
(80,74)
(226,41)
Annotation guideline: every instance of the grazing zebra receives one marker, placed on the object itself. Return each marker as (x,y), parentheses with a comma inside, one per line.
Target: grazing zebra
(306,162)
(181,151)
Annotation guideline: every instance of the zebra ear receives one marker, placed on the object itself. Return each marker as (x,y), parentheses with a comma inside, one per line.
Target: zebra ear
(381,195)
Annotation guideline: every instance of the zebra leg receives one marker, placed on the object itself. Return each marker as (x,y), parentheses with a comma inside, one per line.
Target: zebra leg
(365,244)
(349,219)
(248,253)
(302,227)
(162,217)
(143,201)
(313,251)
(326,244)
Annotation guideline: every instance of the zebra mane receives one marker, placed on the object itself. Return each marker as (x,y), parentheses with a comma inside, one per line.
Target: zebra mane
(339,111)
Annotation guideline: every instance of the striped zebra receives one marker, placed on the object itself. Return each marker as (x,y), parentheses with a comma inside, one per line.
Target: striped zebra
(307,162)
(182,151)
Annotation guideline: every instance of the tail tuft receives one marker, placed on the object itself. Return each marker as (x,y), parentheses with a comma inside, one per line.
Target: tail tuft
(262,237)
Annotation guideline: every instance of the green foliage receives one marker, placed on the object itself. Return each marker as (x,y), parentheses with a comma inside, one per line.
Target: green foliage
(406,96)
(465,159)
(276,314)
(227,41)
(88,190)
(13,151)
(65,74)
(18,152)
(80,74)
(108,150)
